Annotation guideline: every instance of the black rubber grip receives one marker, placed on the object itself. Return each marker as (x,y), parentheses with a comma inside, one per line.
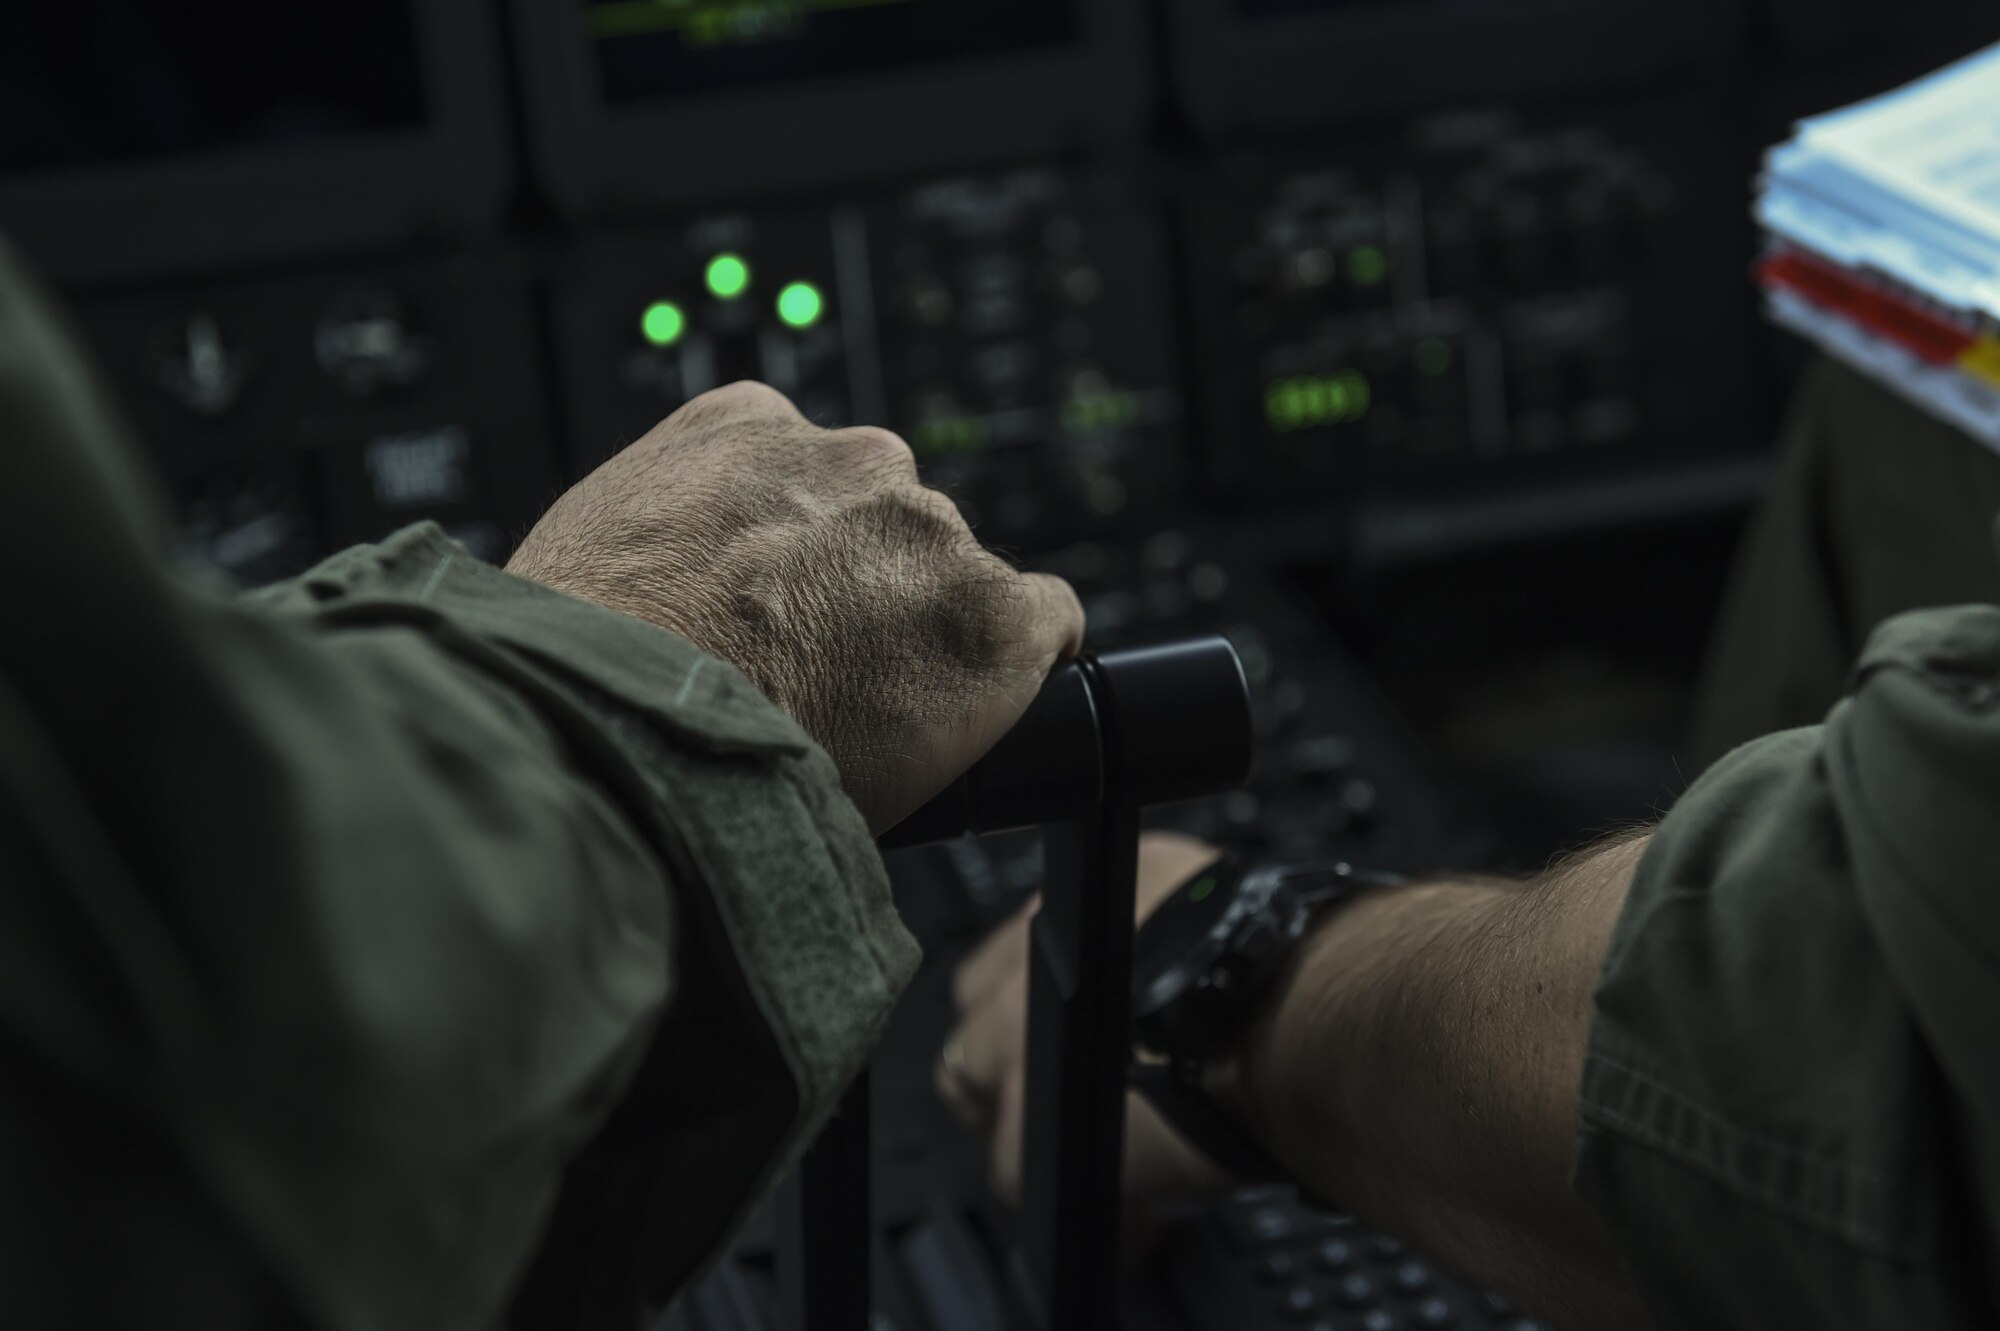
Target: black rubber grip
(1182,711)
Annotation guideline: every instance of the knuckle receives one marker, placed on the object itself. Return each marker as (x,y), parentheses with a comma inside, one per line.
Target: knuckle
(1070,605)
(937,506)
(874,440)
(877,459)
(746,399)
(750,395)
(928,520)
(983,601)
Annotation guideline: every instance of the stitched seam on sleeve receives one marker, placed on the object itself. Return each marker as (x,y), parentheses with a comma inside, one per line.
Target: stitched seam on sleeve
(1840,1196)
(1749,1135)
(437,576)
(766,949)
(849,909)
(688,683)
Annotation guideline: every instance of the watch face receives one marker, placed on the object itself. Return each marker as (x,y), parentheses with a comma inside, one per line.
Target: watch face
(1183,920)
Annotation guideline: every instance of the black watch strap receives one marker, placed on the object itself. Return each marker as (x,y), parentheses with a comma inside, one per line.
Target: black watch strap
(1195,1115)
(1248,949)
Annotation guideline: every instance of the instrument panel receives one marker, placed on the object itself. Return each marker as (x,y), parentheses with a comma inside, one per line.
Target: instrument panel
(1028,237)
(1013,327)
(1488,299)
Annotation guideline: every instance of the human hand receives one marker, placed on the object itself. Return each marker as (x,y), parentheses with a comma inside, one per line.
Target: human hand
(815,562)
(982,1072)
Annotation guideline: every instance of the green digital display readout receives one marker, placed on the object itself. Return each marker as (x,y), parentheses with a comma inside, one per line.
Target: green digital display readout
(713,22)
(1092,413)
(1306,401)
(657,50)
(942,436)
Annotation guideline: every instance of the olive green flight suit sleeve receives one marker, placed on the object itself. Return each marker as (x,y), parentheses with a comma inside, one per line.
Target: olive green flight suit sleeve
(1791,1102)
(336,921)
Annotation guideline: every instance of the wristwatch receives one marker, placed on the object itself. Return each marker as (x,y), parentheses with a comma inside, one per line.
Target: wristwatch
(1203,965)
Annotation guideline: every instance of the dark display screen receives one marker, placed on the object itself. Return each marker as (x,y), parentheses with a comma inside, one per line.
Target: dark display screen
(125,80)
(670,48)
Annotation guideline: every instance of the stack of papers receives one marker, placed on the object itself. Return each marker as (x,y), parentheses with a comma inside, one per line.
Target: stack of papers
(1883,230)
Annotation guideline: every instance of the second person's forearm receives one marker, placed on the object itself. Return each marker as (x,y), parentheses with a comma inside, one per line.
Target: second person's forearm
(1422,1067)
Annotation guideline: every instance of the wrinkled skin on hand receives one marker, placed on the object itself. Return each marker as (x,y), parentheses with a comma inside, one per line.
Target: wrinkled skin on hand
(816,563)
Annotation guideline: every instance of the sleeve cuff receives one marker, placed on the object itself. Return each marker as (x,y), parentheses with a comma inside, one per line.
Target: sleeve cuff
(665,678)
(1764,1129)
(750,814)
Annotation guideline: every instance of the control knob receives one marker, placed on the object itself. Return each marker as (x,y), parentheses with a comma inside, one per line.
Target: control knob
(201,364)
(367,345)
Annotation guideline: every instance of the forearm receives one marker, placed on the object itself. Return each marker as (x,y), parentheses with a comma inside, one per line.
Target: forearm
(1422,1066)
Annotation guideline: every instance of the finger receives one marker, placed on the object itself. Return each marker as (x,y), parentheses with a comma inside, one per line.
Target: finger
(1001,952)
(971,1108)
(1054,625)
(992,1037)
(1006,1145)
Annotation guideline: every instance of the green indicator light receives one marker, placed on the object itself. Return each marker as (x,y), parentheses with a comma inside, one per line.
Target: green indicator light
(1367,266)
(1432,356)
(662,323)
(1310,400)
(1202,890)
(800,305)
(728,276)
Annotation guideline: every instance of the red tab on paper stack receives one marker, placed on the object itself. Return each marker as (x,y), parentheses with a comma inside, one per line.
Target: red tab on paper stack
(1882,224)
